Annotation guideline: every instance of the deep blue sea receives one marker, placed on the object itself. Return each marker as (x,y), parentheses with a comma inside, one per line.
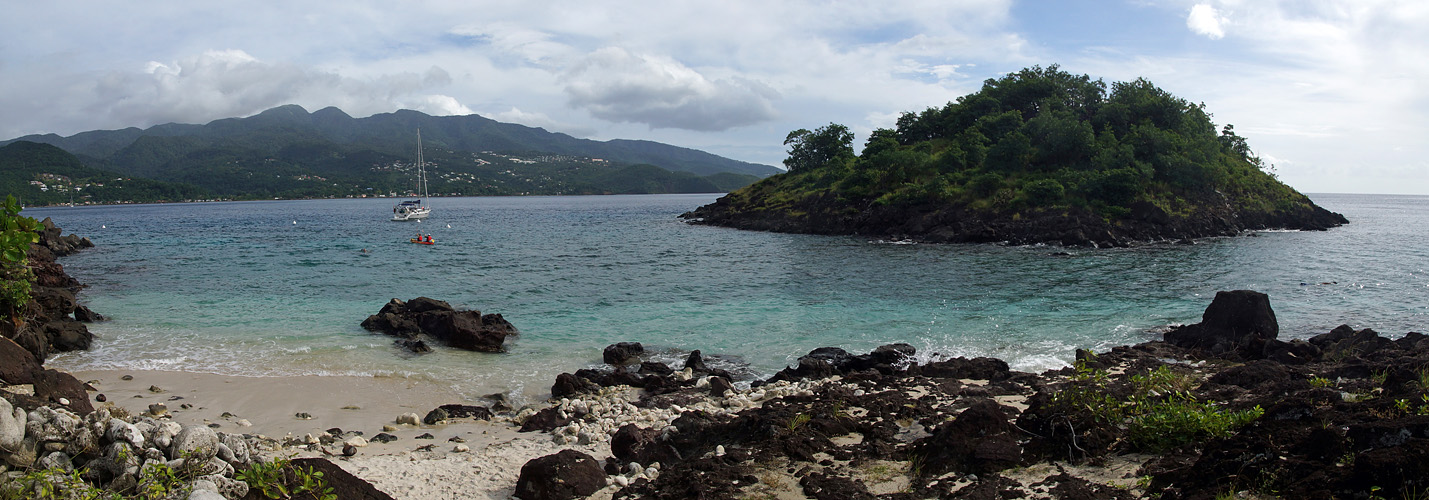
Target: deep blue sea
(279,287)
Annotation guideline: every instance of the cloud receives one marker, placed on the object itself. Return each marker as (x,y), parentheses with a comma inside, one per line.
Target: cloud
(616,85)
(229,83)
(516,115)
(440,105)
(1205,20)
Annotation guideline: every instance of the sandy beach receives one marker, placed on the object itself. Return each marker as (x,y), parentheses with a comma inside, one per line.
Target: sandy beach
(268,406)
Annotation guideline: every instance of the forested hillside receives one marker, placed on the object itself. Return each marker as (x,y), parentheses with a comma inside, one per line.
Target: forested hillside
(286,152)
(41,174)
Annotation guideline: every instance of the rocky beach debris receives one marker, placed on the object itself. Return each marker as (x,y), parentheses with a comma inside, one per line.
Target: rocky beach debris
(422,316)
(1220,407)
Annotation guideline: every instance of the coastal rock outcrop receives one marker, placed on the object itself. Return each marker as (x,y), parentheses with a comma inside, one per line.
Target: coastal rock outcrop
(1238,322)
(1183,420)
(467,329)
(50,323)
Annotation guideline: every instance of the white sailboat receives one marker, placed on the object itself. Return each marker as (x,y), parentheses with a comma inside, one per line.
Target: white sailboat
(414,210)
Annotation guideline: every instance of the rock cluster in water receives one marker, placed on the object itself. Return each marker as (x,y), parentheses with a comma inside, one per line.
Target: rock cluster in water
(433,318)
(1222,406)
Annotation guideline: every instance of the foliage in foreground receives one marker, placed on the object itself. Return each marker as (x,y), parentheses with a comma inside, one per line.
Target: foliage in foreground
(17,232)
(277,479)
(1159,411)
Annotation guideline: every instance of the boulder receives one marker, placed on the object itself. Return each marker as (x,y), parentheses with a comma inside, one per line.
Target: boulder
(68,335)
(1237,322)
(992,369)
(17,365)
(562,476)
(567,385)
(436,416)
(344,485)
(622,353)
(633,443)
(195,442)
(12,427)
(695,362)
(466,411)
(84,314)
(426,316)
(719,386)
(52,385)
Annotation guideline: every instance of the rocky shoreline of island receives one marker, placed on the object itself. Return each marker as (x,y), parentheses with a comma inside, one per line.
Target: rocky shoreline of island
(1220,407)
(1142,223)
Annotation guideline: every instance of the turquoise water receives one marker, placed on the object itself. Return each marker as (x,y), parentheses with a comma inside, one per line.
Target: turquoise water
(279,287)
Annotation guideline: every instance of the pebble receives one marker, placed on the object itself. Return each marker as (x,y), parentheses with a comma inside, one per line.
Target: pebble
(127,377)
(719,451)
(409,419)
(155,389)
(389,428)
(158,409)
(243,422)
(101,398)
(303,416)
(64,401)
(357,441)
(348,450)
(461,448)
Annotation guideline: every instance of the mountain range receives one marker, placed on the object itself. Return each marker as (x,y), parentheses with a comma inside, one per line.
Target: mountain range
(288,152)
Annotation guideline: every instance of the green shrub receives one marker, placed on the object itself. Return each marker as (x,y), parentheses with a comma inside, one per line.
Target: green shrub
(1044,192)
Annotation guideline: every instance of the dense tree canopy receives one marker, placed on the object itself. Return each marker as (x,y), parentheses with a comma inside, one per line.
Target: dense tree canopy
(809,150)
(1040,137)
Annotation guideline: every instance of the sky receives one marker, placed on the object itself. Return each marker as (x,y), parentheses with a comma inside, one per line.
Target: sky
(1333,93)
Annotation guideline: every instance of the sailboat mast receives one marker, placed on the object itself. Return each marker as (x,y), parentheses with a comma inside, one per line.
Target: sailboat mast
(421,172)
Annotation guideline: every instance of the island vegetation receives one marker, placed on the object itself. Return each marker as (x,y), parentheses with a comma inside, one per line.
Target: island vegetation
(1039,155)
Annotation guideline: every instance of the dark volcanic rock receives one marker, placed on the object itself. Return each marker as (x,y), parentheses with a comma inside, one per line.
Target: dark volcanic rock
(51,385)
(567,385)
(695,362)
(17,365)
(978,441)
(468,330)
(466,411)
(633,443)
(565,475)
(68,335)
(344,485)
(962,368)
(84,314)
(623,353)
(1239,321)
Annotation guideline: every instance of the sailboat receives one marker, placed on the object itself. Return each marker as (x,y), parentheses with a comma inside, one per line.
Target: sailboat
(414,210)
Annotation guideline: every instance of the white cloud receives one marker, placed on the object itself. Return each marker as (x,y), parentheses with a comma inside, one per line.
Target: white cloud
(616,85)
(1204,20)
(541,120)
(441,105)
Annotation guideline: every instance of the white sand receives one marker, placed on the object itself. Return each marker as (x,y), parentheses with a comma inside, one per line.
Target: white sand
(488,470)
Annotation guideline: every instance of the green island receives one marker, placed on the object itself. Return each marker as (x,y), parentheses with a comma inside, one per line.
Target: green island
(1037,156)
